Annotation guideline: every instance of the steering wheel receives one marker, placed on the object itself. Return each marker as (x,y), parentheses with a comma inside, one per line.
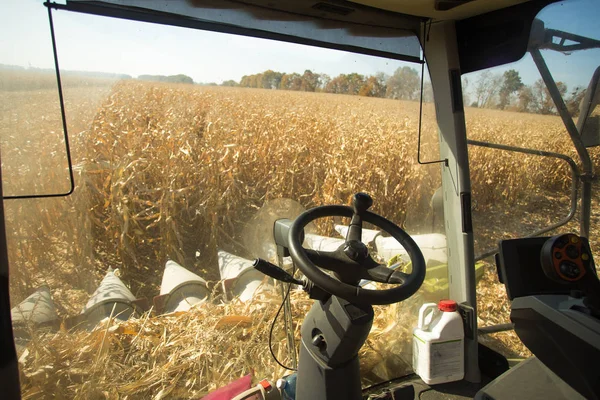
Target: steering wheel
(351,262)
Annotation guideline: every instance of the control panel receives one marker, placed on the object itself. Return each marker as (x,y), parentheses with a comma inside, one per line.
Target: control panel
(560,264)
(555,308)
(566,258)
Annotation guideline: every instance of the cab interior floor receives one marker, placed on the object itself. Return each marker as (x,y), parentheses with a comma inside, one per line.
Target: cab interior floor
(491,363)
(412,387)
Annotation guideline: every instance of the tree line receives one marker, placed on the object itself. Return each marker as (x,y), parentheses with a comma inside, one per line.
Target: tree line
(403,84)
(508,92)
(497,91)
(179,78)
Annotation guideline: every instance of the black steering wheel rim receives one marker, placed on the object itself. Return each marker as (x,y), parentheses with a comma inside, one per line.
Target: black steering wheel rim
(356,294)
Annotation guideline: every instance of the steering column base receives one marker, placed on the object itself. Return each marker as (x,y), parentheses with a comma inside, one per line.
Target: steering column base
(332,334)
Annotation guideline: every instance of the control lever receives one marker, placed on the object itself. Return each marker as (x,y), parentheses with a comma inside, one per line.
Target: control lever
(275,272)
(360,203)
(354,247)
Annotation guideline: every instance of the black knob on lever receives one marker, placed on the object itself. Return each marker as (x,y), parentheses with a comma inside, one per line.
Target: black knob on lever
(361,202)
(354,248)
(275,272)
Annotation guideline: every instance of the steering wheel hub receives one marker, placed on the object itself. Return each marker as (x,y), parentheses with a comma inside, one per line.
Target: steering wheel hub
(356,250)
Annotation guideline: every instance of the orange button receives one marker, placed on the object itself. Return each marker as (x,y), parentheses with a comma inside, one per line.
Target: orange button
(265,384)
(574,239)
(585,257)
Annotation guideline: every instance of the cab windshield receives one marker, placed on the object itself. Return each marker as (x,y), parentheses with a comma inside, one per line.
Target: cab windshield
(185,147)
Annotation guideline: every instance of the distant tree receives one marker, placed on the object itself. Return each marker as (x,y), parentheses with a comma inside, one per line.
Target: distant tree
(542,101)
(291,81)
(480,88)
(310,81)
(403,84)
(428,93)
(525,97)
(257,80)
(355,82)
(486,89)
(229,82)
(465,89)
(382,79)
(372,87)
(574,100)
(180,78)
(324,80)
(339,84)
(250,81)
(346,84)
(511,84)
(562,89)
(270,79)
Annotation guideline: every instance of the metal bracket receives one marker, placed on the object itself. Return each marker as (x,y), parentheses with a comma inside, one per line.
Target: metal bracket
(575,177)
(445,160)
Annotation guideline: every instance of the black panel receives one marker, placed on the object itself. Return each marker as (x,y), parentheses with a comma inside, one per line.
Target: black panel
(9,372)
(491,363)
(467,221)
(520,269)
(333,8)
(456,88)
(445,5)
(496,38)
(565,353)
(467,314)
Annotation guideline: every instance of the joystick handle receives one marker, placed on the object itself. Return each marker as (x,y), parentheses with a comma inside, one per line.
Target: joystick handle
(360,204)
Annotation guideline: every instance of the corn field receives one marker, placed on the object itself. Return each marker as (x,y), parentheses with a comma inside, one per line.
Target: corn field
(176,172)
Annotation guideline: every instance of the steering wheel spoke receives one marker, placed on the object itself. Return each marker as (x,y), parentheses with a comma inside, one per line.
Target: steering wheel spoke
(330,260)
(398,277)
(382,274)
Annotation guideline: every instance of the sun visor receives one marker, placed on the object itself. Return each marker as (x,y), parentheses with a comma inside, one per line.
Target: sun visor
(348,27)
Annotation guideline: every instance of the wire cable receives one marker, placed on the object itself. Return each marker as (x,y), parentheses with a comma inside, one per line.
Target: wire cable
(273,325)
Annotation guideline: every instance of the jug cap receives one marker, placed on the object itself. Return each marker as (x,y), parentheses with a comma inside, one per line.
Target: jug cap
(447,305)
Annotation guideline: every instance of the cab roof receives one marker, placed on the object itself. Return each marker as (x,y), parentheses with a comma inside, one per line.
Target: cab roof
(489,32)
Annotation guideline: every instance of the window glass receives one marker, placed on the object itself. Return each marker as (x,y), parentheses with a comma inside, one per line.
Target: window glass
(187,146)
(517,194)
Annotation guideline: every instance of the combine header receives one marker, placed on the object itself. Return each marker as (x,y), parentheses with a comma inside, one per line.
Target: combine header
(180,290)
(112,299)
(239,278)
(35,312)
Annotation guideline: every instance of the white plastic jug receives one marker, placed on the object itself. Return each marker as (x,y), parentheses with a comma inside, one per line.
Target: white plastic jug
(438,343)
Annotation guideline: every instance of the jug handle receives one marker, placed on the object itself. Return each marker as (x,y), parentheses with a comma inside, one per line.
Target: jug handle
(423,312)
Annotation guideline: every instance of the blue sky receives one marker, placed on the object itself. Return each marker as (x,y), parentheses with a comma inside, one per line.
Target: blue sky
(111,45)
